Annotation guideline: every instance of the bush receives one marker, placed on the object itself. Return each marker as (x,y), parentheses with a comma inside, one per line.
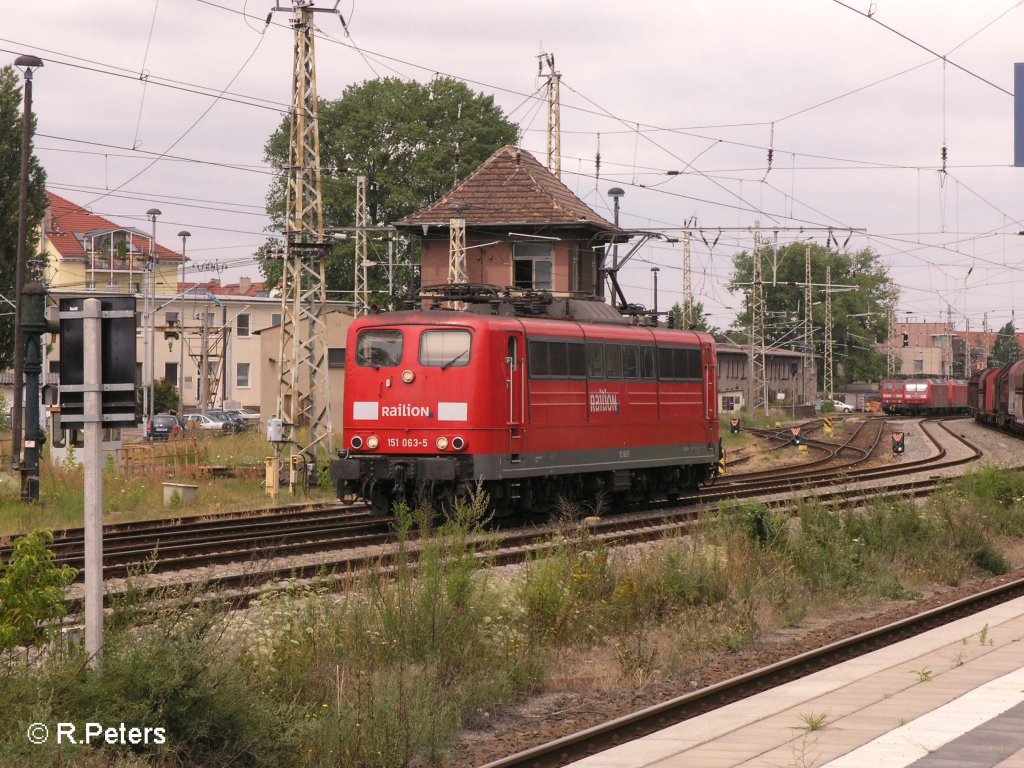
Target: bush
(31,590)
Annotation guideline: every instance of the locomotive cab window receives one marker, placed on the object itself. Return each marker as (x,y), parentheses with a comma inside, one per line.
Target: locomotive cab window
(445,349)
(379,349)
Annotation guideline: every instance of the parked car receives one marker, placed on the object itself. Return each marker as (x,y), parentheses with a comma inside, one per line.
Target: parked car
(233,425)
(206,421)
(163,426)
(238,423)
(838,406)
(250,416)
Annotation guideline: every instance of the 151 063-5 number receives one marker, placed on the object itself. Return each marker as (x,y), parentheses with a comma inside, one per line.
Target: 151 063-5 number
(407,442)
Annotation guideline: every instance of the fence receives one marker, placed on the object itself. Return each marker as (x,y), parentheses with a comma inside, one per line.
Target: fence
(178,457)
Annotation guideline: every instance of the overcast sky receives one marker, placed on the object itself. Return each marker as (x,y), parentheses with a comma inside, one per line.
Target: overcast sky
(856,114)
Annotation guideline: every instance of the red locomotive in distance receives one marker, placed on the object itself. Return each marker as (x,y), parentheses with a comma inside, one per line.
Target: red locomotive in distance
(934,396)
(537,408)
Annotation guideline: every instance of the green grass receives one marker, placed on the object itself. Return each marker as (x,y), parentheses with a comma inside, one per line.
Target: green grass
(61,497)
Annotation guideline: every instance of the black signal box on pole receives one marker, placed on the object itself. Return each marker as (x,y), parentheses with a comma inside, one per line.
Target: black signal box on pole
(734,426)
(899,444)
(118,355)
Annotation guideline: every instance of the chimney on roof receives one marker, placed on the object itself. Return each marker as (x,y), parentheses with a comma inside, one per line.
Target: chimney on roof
(244,284)
(519,156)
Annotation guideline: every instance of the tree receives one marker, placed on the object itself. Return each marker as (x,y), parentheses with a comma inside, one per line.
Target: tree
(11,111)
(859,316)
(700,319)
(1006,349)
(405,138)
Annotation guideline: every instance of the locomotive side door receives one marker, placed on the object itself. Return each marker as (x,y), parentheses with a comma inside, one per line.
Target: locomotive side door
(515,389)
(710,383)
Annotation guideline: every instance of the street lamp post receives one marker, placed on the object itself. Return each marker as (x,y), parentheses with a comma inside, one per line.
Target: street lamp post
(615,193)
(149,325)
(27,64)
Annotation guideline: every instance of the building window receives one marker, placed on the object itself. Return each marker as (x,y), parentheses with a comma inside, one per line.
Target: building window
(242,326)
(242,375)
(275,319)
(171,373)
(919,366)
(335,357)
(532,266)
(171,319)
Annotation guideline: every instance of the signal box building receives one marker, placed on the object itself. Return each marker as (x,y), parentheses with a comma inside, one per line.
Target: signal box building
(524,229)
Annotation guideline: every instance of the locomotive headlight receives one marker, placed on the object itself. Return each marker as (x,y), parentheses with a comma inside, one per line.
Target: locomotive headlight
(408,376)
(357,442)
(458,443)
(372,442)
(441,443)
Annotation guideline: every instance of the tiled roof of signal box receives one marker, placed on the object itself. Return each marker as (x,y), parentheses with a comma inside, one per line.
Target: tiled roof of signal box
(510,188)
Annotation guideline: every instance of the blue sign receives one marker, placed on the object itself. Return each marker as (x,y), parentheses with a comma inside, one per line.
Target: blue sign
(1018,115)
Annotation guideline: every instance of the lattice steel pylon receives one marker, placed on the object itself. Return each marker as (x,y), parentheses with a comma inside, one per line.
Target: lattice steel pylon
(758,379)
(554,113)
(890,351)
(688,308)
(303,390)
(947,353)
(827,378)
(808,327)
(361,302)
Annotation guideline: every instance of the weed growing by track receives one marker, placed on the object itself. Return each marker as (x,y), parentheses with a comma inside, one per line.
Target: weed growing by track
(390,670)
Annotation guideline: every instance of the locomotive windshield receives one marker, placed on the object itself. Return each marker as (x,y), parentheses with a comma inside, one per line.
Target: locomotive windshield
(444,349)
(379,349)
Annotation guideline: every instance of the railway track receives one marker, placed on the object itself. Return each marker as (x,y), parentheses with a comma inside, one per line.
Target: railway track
(253,541)
(632,726)
(360,549)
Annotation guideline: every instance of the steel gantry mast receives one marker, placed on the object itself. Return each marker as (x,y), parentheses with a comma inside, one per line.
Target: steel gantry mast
(757,352)
(554,113)
(303,393)
(688,309)
(809,383)
(361,303)
(827,379)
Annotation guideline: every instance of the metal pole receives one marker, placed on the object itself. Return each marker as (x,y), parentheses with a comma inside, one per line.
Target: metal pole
(33,325)
(181,324)
(153,260)
(22,256)
(655,270)
(204,364)
(93,461)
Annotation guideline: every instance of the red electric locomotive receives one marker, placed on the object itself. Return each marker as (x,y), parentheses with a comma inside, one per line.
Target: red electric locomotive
(937,396)
(534,407)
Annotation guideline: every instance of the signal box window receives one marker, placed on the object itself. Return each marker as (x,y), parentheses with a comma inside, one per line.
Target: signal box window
(379,349)
(532,266)
(444,349)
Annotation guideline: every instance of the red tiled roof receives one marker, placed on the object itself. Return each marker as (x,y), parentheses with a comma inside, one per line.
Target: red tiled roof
(65,220)
(231,289)
(510,188)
